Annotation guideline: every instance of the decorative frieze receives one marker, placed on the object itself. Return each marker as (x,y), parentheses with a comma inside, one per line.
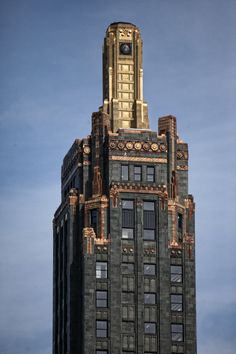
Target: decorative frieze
(137,146)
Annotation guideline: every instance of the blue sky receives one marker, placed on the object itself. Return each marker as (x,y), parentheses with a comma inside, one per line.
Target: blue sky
(51,82)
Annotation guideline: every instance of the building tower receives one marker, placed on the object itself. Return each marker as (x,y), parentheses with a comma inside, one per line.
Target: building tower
(124,244)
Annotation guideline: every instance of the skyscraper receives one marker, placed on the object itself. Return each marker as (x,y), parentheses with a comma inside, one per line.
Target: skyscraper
(124,244)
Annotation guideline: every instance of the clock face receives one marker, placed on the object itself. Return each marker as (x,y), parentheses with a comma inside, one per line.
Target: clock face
(126,48)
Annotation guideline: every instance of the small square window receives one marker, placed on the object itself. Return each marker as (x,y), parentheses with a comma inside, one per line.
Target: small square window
(149,298)
(101,298)
(101,270)
(176,274)
(101,329)
(127,233)
(176,302)
(177,332)
(148,235)
(124,172)
(149,328)
(137,173)
(150,174)
(149,269)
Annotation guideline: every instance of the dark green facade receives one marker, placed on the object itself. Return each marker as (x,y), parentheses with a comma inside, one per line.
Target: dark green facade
(124,243)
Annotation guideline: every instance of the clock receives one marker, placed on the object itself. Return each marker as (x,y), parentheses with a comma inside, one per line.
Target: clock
(126,48)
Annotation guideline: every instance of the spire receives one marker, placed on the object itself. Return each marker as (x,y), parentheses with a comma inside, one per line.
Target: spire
(123,77)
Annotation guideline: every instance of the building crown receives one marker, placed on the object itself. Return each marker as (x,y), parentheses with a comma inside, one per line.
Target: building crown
(123,77)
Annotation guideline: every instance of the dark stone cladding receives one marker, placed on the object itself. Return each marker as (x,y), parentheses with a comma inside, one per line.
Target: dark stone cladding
(91,180)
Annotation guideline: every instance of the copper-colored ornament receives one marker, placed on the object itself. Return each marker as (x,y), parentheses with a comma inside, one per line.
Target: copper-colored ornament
(112,145)
(121,146)
(162,147)
(137,146)
(154,147)
(129,145)
(146,146)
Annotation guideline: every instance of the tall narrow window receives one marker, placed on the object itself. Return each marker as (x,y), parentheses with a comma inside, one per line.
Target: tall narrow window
(101,329)
(149,222)
(176,302)
(127,219)
(176,274)
(180,226)
(101,298)
(137,173)
(124,172)
(177,332)
(94,219)
(150,173)
(101,270)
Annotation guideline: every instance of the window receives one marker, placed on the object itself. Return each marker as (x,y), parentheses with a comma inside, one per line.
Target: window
(124,172)
(149,269)
(177,332)
(101,329)
(176,302)
(137,173)
(180,226)
(180,221)
(150,174)
(127,219)
(149,298)
(101,352)
(176,274)
(101,270)
(94,219)
(101,298)
(149,328)
(149,223)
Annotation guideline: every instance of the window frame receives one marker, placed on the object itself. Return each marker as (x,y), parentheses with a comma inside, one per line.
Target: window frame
(150,174)
(176,277)
(174,304)
(138,174)
(128,220)
(103,300)
(153,266)
(103,271)
(102,330)
(149,302)
(176,333)
(94,215)
(151,332)
(149,216)
(122,178)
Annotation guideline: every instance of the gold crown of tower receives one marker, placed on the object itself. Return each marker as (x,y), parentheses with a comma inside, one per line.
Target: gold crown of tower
(123,77)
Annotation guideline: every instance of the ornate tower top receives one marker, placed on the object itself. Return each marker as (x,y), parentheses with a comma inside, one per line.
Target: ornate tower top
(123,77)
